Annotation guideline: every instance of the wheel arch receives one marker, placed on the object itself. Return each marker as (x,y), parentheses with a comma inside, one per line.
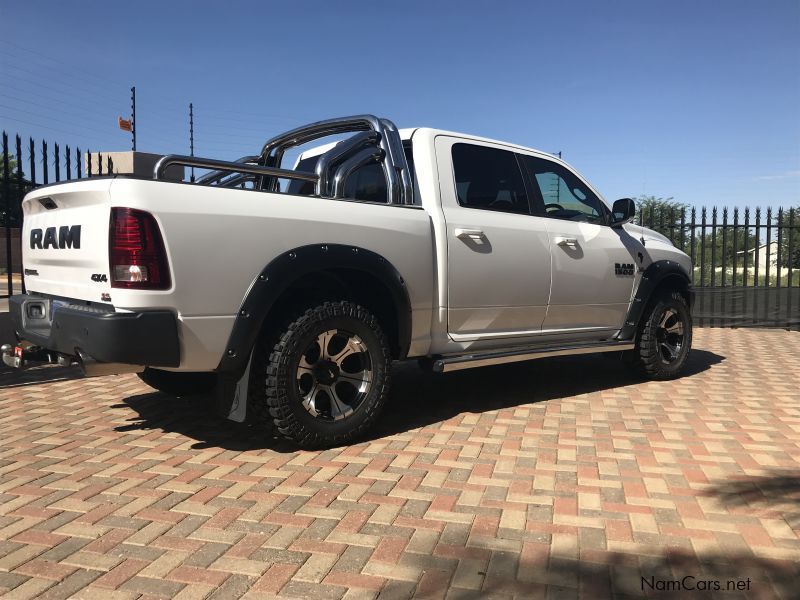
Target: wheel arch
(314,272)
(659,276)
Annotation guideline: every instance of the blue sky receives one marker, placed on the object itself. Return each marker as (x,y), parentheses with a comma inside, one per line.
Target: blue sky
(698,100)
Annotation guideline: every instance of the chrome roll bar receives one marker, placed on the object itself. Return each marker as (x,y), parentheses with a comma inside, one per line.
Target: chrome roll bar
(227,166)
(329,176)
(215,176)
(338,153)
(394,165)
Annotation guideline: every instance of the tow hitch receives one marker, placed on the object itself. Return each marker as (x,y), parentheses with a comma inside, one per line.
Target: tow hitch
(23,357)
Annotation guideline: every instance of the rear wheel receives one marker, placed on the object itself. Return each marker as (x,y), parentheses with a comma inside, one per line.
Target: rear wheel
(665,338)
(176,383)
(328,375)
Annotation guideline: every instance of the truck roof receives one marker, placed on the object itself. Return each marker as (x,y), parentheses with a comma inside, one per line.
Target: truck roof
(408,132)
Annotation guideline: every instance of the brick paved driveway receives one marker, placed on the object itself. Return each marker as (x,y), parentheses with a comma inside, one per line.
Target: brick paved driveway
(557,478)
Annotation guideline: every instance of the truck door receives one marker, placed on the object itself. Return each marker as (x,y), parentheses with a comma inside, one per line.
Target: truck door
(593,272)
(498,253)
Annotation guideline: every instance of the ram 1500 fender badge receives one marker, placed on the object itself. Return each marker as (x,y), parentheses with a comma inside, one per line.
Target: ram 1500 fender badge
(68,236)
(99,277)
(625,269)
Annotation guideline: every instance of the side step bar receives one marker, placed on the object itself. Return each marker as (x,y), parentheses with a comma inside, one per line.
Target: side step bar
(468,361)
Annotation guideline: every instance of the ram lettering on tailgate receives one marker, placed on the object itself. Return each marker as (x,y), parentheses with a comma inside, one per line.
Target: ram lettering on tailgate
(67,237)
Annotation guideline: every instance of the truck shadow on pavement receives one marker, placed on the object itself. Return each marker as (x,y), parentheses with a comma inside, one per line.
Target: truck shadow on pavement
(418,398)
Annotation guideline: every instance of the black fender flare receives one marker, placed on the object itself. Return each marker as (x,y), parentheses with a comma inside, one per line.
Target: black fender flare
(651,278)
(289,267)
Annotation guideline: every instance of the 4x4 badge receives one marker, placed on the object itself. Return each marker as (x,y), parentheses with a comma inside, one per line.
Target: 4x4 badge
(99,277)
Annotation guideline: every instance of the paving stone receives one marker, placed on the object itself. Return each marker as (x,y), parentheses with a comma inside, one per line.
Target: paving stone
(555,479)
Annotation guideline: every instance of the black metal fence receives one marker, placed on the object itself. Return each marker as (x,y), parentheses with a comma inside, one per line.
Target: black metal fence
(746,263)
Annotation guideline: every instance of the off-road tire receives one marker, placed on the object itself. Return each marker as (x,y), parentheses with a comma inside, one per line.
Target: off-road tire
(176,383)
(648,357)
(282,398)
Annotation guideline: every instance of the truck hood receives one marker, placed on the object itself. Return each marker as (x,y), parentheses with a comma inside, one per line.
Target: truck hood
(648,234)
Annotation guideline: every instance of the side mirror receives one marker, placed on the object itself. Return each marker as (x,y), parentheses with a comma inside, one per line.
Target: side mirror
(622,212)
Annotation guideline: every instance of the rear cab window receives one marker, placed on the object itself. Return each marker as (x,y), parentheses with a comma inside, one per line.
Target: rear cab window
(489,179)
(366,183)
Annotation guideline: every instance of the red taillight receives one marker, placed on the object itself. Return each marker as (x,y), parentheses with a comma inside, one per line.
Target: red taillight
(136,254)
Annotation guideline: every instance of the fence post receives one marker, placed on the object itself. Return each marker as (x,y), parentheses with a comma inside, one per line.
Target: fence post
(790,253)
(683,229)
(45,178)
(778,252)
(78,161)
(790,260)
(33,161)
(745,242)
(57,163)
(68,162)
(744,258)
(702,245)
(20,192)
(755,263)
(724,245)
(7,213)
(714,246)
(768,265)
(769,244)
(691,241)
(89,163)
(758,246)
(735,239)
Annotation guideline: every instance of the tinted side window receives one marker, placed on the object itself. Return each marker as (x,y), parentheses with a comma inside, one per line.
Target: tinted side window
(563,194)
(489,179)
(367,183)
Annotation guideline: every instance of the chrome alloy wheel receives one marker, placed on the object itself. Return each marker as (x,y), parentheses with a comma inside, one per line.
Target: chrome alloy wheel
(670,336)
(334,375)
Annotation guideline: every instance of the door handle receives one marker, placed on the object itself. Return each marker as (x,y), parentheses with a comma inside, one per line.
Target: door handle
(473,235)
(566,241)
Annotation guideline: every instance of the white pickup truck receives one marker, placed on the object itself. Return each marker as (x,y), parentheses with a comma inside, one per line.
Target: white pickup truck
(290,291)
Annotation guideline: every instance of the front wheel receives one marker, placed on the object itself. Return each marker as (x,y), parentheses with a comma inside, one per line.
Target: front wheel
(664,338)
(328,375)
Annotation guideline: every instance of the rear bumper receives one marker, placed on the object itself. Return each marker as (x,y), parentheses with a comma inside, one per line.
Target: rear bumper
(148,338)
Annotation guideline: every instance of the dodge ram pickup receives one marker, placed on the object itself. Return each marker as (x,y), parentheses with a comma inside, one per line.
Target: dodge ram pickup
(289,287)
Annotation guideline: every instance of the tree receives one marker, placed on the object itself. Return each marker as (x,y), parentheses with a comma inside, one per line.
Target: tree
(661,214)
(16,188)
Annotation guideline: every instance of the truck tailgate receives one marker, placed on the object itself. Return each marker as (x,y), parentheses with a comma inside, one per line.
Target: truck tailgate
(65,239)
